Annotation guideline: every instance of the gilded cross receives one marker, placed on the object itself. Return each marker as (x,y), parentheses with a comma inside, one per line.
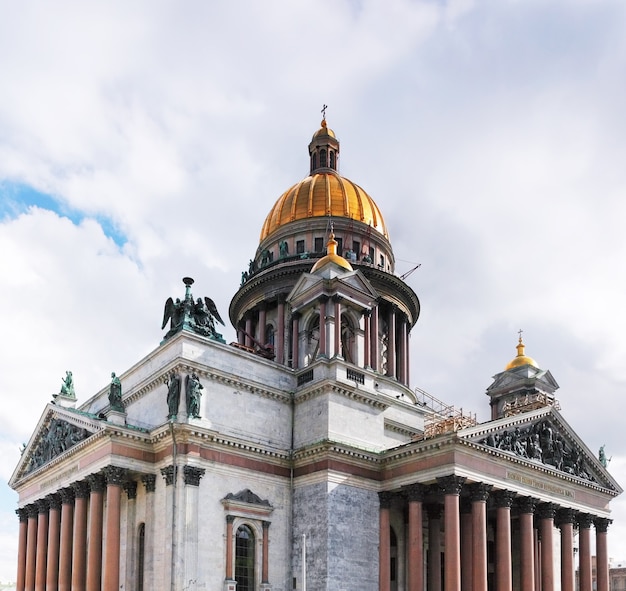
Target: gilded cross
(323,111)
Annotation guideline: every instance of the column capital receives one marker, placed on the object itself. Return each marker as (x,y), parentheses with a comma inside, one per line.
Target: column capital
(602,524)
(504,498)
(323,299)
(31,511)
(96,482)
(584,520)
(192,475)
(22,514)
(527,504)
(565,515)
(266,525)
(67,495)
(169,474)
(414,492)
(384,498)
(546,510)
(295,315)
(337,298)
(479,492)
(54,500)
(130,487)
(149,482)
(115,475)
(81,489)
(230,518)
(451,485)
(42,505)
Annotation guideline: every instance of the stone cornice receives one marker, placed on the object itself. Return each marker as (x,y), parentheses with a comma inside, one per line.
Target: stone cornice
(325,448)
(353,393)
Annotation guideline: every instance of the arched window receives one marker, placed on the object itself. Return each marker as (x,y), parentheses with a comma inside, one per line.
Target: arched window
(323,161)
(332,159)
(269,335)
(348,340)
(141,554)
(244,559)
(314,162)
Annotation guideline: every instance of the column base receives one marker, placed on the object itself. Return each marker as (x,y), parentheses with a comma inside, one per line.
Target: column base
(265,587)
(230,585)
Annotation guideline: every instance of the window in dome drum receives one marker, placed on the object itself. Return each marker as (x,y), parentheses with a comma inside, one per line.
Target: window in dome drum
(299,246)
(356,247)
(382,261)
(319,244)
(323,158)
(372,253)
(339,245)
(332,159)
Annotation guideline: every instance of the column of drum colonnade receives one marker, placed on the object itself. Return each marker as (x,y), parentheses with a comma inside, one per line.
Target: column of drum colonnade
(465,540)
(397,366)
(53,553)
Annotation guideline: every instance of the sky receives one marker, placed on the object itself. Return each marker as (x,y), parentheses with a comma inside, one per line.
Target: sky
(143,142)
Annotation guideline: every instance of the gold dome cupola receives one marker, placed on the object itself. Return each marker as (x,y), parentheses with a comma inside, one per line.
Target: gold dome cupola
(324,149)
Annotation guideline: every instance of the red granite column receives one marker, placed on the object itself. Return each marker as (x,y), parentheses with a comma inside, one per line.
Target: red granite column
(602,553)
(42,545)
(452,486)
(54,531)
(262,323)
(415,495)
(547,512)
(467,543)
(434,548)
(79,563)
(337,301)
(248,330)
(367,348)
(323,337)
(566,518)
(31,547)
(391,343)
(375,346)
(266,553)
(295,335)
(21,550)
(94,550)
(479,493)
(229,547)
(584,556)
(527,546)
(67,528)
(402,351)
(280,345)
(115,478)
(384,545)
(504,567)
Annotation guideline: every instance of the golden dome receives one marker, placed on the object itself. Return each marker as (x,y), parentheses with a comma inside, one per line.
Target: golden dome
(324,130)
(520,359)
(324,194)
(332,256)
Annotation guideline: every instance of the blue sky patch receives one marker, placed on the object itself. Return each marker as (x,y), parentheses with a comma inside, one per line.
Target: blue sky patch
(16,198)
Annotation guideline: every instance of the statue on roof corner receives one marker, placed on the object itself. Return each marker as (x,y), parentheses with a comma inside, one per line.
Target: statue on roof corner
(115,394)
(67,387)
(197,316)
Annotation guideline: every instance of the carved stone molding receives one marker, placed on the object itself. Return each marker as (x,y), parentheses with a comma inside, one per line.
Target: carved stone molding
(602,524)
(451,485)
(585,520)
(192,475)
(527,504)
(504,498)
(149,482)
(54,500)
(130,487)
(546,510)
(479,492)
(169,474)
(385,497)
(115,475)
(96,483)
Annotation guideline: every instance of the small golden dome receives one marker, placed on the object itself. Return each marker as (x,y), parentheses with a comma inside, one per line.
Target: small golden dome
(520,359)
(324,130)
(324,194)
(332,256)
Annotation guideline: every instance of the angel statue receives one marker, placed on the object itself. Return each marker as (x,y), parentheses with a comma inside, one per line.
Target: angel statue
(198,316)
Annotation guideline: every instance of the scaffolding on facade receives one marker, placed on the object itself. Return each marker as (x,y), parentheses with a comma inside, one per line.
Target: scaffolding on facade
(442,418)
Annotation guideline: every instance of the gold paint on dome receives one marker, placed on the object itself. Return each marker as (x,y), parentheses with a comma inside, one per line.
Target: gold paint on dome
(521,358)
(324,130)
(324,194)
(332,256)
